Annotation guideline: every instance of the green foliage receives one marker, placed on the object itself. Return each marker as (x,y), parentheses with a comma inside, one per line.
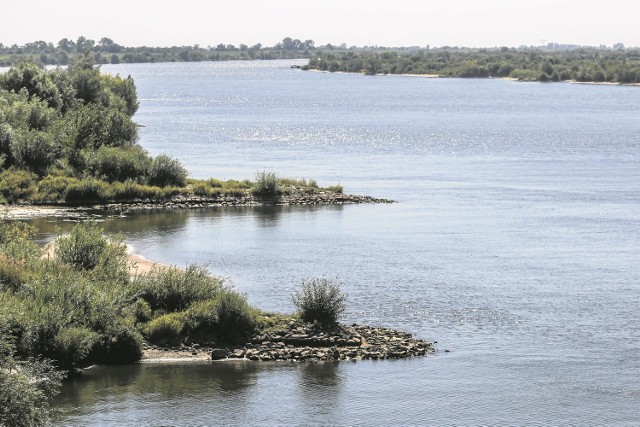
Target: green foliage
(72,345)
(320,300)
(118,164)
(166,330)
(16,242)
(75,308)
(35,151)
(88,190)
(166,171)
(173,289)
(335,188)
(86,248)
(26,387)
(120,343)
(17,185)
(266,184)
(35,80)
(227,318)
(53,188)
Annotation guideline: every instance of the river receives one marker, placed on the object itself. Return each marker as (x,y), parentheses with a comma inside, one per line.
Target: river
(514,244)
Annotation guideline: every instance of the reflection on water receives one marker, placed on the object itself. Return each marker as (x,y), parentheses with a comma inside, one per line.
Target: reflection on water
(222,393)
(162,222)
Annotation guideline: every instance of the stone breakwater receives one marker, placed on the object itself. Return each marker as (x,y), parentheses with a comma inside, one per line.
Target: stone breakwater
(194,202)
(77,212)
(299,342)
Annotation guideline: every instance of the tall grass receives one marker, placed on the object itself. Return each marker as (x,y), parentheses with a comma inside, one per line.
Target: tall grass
(266,185)
(320,300)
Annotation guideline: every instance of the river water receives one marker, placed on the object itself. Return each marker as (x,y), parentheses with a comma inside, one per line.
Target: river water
(514,244)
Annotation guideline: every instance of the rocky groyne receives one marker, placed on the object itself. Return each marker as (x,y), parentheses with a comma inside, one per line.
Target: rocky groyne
(300,342)
(88,210)
(194,202)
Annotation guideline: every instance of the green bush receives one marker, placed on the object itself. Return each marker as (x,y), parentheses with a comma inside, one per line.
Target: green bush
(165,330)
(83,248)
(266,184)
(119,344)
(54,188)
(17,184)
(16,242)
(173,289)
(320,300)
(12,275)
(89,190)
(35,151)
(335,188)
(166,171)
(26,388)
(228,318)
(72,345)
(118,164)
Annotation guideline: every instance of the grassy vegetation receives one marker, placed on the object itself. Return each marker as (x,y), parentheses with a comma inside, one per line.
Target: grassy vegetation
(580,64)
(320,300)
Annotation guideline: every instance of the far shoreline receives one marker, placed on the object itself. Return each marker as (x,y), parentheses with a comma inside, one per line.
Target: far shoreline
(439,76)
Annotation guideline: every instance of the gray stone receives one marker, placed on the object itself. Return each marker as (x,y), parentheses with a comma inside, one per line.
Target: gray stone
(218,354)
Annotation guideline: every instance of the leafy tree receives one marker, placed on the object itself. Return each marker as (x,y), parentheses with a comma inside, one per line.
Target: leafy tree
(35,80)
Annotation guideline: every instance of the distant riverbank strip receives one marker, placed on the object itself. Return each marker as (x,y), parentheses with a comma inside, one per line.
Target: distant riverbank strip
(581,65)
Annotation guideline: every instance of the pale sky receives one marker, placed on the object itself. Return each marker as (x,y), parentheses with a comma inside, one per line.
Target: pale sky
(473,23)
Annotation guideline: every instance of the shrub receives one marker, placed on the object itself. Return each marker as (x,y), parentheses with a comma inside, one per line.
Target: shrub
(12,275)
(166,171)
(83,247)
(16,241)
(266,184)
(89,190)
(119,344)
(228,318)
(16,185)
(118,164)
(35,151)
(320,300)
(173,289)
(54,188)
(165,330)
(335,188)
(73,344)
(26,388)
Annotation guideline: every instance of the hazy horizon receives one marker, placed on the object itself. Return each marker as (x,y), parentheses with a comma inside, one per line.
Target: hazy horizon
(467,23)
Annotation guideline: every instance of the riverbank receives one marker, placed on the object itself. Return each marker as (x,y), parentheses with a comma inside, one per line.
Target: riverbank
(30,211)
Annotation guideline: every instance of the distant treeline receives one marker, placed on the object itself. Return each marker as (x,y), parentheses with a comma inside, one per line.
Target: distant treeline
(584,64)
(106,51)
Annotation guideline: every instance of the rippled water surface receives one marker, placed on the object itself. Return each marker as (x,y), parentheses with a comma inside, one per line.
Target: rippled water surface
(514,244)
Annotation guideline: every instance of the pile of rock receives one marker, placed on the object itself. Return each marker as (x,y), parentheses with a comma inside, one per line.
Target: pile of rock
(194,202)
(300,342)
